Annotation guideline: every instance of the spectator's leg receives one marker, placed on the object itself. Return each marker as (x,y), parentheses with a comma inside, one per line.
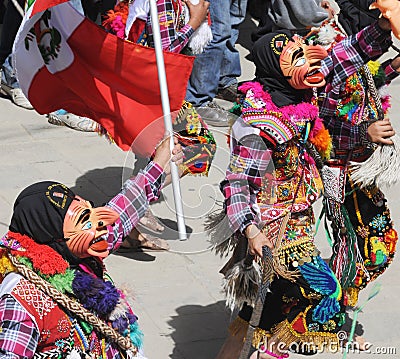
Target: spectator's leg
(231,69)
(203,82)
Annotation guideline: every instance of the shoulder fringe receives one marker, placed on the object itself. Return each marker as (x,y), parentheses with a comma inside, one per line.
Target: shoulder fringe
(381,168)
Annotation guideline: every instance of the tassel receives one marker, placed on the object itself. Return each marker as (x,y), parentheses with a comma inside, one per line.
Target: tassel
(241,283)
(73,354)
(200,38)
(381,168)
(221,235)
(202,35)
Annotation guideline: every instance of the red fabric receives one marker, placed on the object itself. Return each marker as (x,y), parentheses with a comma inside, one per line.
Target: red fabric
(115,83)
(136,30)
(41,5)
(298,325)
(42,256)
(52,323)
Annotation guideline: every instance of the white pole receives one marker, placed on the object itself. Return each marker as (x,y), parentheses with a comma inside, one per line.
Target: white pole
(167,117)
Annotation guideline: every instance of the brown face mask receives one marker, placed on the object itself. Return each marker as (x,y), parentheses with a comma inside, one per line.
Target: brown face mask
(83,227)
(300,64)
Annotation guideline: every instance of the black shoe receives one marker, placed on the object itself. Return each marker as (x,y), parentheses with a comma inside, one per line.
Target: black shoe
(215,115)
(228,93)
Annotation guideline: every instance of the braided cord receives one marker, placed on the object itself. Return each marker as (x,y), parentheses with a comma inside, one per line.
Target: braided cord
(374,91)
(73,306)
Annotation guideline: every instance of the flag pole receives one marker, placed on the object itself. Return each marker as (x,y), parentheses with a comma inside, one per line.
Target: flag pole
(167,117)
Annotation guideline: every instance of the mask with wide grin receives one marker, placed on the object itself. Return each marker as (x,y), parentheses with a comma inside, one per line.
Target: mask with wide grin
(301,63)
(84,226)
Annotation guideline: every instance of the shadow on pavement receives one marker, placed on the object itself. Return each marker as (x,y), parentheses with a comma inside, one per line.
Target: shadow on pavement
(101,184)
(199,331)
(171,229)
(137,255)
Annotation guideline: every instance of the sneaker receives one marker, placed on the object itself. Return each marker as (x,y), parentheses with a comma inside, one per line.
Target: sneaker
(16,95)
(228,93)
(78,123)
(215,115)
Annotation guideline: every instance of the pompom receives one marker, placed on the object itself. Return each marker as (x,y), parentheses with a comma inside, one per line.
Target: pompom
(95,294)
(374,67)
(44,259)
(322,142)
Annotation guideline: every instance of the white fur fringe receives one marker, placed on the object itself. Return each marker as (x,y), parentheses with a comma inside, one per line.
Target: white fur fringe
(202,35)
(382,168)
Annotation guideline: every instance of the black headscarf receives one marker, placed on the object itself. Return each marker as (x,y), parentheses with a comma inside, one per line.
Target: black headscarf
(265,53)
(355,15)
(39,213)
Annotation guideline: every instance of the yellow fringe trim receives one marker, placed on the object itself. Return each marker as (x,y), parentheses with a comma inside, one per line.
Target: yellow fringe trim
(352,296)
(260,337)
(283,332)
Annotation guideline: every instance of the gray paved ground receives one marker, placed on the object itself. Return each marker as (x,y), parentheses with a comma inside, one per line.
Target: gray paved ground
(176,294)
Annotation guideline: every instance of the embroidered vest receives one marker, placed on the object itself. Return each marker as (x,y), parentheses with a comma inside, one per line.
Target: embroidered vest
(294,184)
(51,322)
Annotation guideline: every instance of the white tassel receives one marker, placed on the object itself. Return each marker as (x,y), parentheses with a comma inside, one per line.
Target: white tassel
(381,168)
(200,38)
(202,35)
(73,354)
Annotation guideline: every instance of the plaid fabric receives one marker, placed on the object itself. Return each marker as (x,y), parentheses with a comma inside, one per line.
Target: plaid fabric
(172,39)
(248,163)
(390,72)
(18,334)
(347,57)
(132,202)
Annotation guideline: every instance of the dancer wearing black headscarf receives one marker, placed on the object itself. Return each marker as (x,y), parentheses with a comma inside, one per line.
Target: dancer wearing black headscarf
(278,145)
(56,298)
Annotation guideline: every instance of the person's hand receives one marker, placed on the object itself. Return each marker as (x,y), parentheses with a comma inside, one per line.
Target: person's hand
(381,131)
(384,24)
(163,155)
(256,240)
(396,63)
(198,12)
(325,4)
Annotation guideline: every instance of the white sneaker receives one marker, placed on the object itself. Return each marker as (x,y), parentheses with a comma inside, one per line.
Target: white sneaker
(75,122)
(16,95)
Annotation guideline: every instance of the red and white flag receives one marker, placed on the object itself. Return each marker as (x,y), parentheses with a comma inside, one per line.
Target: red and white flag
(64,60)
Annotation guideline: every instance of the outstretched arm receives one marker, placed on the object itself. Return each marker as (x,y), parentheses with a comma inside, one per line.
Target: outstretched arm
(133,200)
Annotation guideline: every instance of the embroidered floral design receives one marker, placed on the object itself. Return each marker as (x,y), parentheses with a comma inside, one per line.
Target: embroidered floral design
(379,222)
(63,325)
(313,327)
